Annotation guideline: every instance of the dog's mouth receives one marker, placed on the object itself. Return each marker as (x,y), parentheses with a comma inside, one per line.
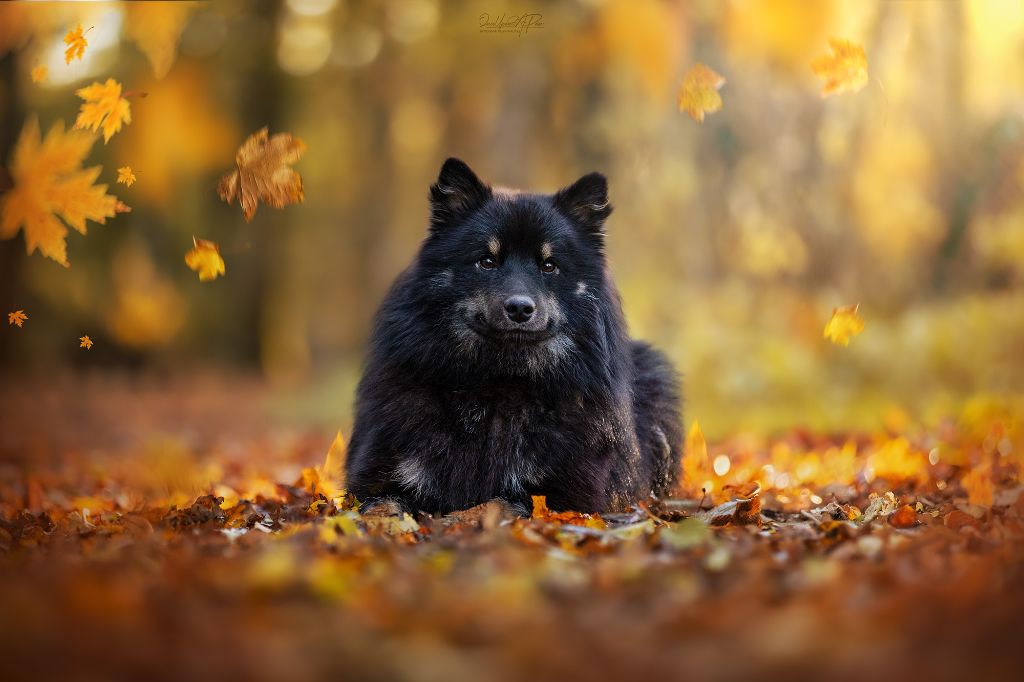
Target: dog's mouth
(510,337)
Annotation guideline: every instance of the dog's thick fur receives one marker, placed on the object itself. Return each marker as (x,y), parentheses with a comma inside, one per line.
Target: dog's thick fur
(500,366)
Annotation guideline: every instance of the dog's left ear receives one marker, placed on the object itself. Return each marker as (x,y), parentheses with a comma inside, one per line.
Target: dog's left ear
(585,202)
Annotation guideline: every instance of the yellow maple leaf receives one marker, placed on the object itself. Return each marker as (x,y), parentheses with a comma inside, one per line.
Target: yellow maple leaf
(845,323)
(156,28)
(264,173)
(845,70)
(18,317)
(86,342)
(76,42)
(204,258)
(103,106)
(39,73)
(331,476)
(697,472)
(125,176)
(48,182)
(698,94)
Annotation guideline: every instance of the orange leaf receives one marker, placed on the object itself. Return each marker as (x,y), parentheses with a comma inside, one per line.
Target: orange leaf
(86,342)
(49,181)
(845,323)
(103,107)
(845,70)
(540,506)
(697,472)
(18,317)
(904,517)
(204,258)
(978,484)
(699,92)
(331,476)
(156,28)
(125,176)
(76,42)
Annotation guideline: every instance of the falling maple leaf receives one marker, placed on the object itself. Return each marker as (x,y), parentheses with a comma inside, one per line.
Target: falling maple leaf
(18,317)
(698,94)
(845,70)
(125,176)
(48,182)
(845,323)
(76,42)
(204,258)
(264,173)
(39,73)
(86,342)
(156,28)
(103,106)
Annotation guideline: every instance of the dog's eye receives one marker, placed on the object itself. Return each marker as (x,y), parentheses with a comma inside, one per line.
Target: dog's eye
(549,266)
(487,263)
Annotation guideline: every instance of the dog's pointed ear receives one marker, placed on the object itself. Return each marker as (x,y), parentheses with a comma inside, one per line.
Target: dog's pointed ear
(457,193)
(585,202)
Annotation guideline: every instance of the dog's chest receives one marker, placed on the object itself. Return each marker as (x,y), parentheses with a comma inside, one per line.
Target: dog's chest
(493,446)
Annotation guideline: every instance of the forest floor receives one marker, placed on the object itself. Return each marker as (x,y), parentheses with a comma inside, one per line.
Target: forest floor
(171,531)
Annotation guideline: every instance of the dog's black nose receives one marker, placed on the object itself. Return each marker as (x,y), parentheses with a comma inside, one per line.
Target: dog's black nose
(519,309)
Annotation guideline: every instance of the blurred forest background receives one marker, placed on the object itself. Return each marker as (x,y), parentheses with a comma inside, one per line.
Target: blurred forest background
(731,242)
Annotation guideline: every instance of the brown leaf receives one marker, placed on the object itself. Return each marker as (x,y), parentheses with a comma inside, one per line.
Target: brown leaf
(264,173)
(956,519)
(904,517)
(742,510)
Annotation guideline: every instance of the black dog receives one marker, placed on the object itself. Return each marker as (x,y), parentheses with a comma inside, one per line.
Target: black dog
(500,366)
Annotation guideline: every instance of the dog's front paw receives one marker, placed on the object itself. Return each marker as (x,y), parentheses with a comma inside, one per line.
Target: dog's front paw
(485,516)
(384,506)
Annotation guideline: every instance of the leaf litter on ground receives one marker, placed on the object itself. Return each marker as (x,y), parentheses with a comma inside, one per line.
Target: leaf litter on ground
(815,553)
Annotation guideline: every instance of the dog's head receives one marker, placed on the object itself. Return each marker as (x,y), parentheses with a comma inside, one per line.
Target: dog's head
(513,276)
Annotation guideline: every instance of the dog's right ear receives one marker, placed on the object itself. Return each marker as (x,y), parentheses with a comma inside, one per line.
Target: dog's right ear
(457,193)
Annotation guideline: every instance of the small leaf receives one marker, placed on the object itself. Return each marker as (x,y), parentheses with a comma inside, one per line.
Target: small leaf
(86,342)
(845,70)
(76,42)
(904,517)
(744,509)
(540,506)
(698,94)
(125,176)
(18,317)
(331,476)
(845,323)
(39,73)
(204,258)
